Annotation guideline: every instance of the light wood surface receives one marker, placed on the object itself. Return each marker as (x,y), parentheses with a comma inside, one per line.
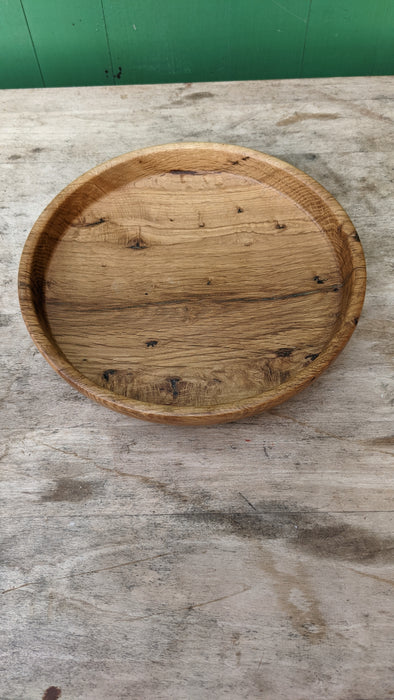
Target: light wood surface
(246,560)
(192,296)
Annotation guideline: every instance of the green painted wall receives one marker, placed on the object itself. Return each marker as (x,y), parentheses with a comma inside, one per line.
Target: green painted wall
(96,42)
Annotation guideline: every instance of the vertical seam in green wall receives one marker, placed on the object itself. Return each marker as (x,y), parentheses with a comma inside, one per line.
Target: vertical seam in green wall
(108,45)
(378,35)
(305,38)
(32,43)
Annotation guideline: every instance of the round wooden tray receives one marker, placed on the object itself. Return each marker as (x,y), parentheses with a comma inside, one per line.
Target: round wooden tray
(192,283)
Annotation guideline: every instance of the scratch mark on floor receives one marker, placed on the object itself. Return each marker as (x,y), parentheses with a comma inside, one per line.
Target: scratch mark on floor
(92,571)
(260,662)
(141,477)
(119,566)
(373,576)
(146,479)
(248,502)
(364,111)
(318,431)
(23,585)
(124,616)
(193,605)
(216,600)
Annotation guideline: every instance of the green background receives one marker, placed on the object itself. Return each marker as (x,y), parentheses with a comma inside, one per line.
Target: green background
(97,42)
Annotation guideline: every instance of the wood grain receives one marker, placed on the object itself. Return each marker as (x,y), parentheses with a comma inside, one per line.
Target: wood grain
(192,283)
(105,519)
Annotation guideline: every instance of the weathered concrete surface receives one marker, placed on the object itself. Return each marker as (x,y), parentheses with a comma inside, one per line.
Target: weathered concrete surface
(240,561)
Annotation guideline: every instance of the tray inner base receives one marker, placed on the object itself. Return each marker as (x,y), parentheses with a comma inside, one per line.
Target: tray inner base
(191,288)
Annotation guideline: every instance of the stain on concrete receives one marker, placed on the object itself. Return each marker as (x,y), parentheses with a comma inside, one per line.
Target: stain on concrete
(67,489)
(302,116)
(320,534)
(5,320)
(386,441)
(52,693)
(195,96)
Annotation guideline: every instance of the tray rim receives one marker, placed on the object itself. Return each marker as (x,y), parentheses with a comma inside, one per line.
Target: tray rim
(189,415)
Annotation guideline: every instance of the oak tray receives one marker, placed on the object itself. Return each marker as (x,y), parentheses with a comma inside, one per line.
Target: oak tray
(192,283)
